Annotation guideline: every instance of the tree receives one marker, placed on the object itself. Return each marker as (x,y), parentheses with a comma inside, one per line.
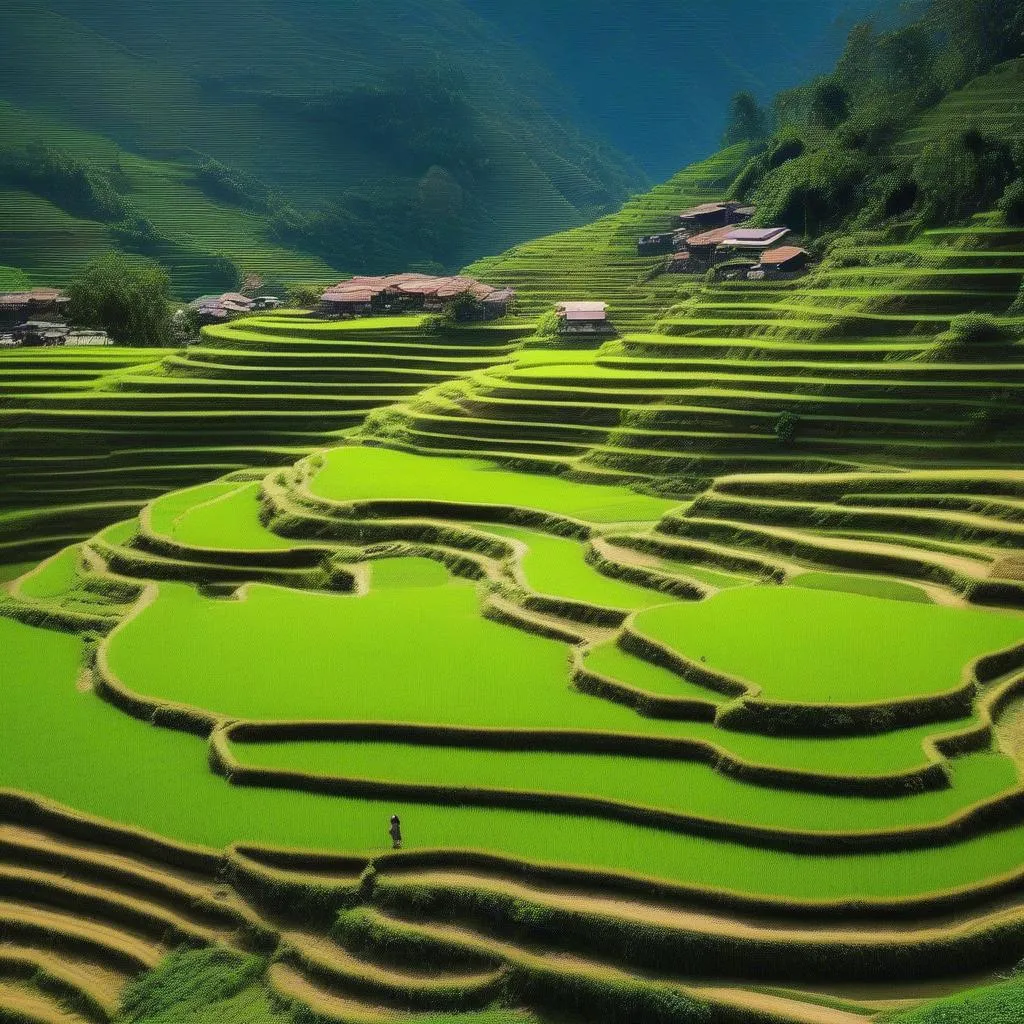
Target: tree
(131,302)
(748,121)
(830,103)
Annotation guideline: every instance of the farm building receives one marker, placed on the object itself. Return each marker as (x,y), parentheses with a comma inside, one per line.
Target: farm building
(713,215)
(786,259)
(705,247)
(215,309)
(583,318)
(756,239)
(47,304)
(40,332)
(655,245)
(399,293)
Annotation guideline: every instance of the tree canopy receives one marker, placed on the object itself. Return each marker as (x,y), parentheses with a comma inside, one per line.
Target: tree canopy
(130,301)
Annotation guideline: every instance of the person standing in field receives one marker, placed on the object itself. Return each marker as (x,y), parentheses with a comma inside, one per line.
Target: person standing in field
(395,830)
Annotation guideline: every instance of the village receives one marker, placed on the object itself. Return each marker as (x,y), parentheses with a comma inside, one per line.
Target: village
(710,238)
(714,237)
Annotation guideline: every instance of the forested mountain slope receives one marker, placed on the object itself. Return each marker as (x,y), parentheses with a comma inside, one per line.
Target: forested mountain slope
(366,136)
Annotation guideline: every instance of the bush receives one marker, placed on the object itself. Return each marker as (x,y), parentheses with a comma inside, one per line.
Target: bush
(1011,203)
(219,181)
(812,192)
(960,174)
(786,426)
(965,331)
(462,309)
(547,325)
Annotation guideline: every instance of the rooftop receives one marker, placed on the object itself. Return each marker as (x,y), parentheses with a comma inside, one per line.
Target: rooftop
(754,238)
(782,254)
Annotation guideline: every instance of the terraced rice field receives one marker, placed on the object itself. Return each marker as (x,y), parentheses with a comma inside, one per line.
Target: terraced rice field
(687,718)
(730,768)
(86,437)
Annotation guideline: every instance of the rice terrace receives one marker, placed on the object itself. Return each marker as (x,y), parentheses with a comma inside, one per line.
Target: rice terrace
(446,578)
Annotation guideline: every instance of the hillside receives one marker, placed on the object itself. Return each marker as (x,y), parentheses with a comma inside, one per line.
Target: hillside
(300,141)
(690,661)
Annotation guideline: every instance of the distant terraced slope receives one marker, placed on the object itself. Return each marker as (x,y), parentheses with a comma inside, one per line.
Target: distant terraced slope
(847,353)
(599,261)
(87,436)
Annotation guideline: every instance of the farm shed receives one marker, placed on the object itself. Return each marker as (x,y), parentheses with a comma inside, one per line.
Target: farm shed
(37,304)
(410,292)
(713,215)
(753,238)
(786,259)
(583,317)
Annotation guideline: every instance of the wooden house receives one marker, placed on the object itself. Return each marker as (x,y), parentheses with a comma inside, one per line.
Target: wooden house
(42,304)
(784,261)
(713,215)
(402,293)
(583,318)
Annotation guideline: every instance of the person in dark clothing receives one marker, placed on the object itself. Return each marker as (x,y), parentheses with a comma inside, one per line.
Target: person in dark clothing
(395,831)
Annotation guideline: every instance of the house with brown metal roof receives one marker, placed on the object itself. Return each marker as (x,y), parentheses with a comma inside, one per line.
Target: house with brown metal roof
(713,215)
(583,318)
(786,259)
(706,247)
(409,292)
(48,304)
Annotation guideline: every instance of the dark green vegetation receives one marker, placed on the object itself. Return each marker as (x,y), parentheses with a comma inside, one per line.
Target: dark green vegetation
(295,142)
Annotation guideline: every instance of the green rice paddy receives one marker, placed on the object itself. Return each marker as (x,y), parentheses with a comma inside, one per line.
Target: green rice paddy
(159,780)
(354,474)
(829,647)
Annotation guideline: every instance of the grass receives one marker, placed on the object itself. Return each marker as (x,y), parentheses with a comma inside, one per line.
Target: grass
(215,516)
(353,473)
(446,664)
(830,647)
(55,577)
(1002,1003)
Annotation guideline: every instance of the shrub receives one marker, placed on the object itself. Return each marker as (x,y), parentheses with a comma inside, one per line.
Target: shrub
(547,325)
(219,181)
(812,191)
(965,331)
(960,174)
(786,426)
(462,309)
(307,296)
(1011,203)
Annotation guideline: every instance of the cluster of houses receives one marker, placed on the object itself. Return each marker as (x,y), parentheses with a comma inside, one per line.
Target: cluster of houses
(714,236)
(217,309)
(404,293)
(36,318)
